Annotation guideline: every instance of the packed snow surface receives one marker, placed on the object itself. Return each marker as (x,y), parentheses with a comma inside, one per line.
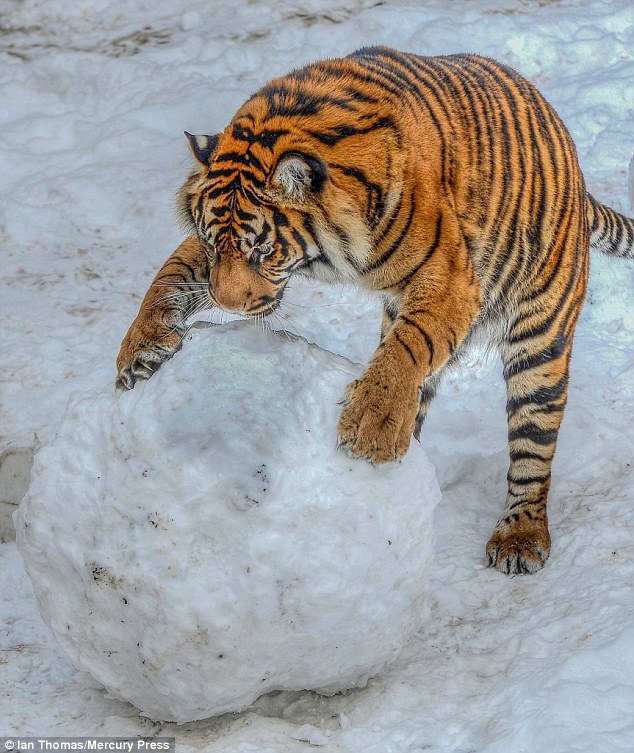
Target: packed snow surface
(96,96)
(200,541)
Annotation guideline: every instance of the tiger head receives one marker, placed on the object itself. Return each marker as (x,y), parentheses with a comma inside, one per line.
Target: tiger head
(267,198)
(252,217)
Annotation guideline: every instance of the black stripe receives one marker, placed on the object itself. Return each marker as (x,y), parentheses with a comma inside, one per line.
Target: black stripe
(534,433)
(375,200)
(425,336)
(310,229)
(300,240)
(366,52)
(215,174)
(281,240)
(187,265)
(219,211)
(339,133)
(279,218)
(478,156)
(596,217)
(550,320)
(519,455)
(402,82)
(266,229)
(618,231)
(396,244)
(429,253)
(245,216)
(428,82)
(283,102)
(390,309)
(213,192)
(524,501)
(334,70)
(367,77)
(452,339)
(359,96)
(248,158)
(197,213)
(559,193)
(406,347)
(267,138)
(555,349)
(178,275)
(525,481)
(344,239)
(508,131)
(254,198)
(540,397)
(247,115)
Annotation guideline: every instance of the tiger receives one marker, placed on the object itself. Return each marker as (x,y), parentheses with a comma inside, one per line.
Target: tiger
(447,185)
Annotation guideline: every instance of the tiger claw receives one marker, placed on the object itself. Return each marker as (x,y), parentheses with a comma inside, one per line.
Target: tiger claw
(124,381)
(139,369)
(128,377)
(519,549)
(138,359)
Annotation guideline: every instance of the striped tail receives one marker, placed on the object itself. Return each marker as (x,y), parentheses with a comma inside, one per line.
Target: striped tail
(610,232)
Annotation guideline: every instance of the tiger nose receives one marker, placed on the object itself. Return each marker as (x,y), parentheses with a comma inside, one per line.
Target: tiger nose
(232,301)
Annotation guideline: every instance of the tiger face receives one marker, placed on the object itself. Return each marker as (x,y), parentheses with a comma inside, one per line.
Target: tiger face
(245,215)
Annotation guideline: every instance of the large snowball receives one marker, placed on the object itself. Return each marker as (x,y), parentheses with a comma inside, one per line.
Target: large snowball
(199,541)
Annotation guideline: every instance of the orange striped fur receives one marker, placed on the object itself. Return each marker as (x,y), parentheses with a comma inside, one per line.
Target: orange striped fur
(447,184)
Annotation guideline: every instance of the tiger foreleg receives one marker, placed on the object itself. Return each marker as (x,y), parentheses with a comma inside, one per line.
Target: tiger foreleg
(431,384)
(387,405)
(380,409)
(435,313)
(179,290)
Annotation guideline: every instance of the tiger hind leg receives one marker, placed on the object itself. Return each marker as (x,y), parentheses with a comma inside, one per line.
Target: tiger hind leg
(536,374)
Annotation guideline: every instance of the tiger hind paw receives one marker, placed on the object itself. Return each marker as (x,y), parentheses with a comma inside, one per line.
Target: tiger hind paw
(518,547)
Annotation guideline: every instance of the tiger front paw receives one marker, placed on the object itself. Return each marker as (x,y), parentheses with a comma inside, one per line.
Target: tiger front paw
(378,418)
(142,351)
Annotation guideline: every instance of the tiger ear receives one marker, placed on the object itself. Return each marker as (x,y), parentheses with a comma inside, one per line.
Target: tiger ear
(202,147)
(298,175)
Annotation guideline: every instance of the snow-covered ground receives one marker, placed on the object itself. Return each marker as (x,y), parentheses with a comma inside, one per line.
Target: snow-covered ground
(95,97)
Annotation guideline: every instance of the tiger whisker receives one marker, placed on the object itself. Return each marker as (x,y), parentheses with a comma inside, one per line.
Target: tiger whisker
(173,297)
(200,303)
(274,314)
(319,305)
